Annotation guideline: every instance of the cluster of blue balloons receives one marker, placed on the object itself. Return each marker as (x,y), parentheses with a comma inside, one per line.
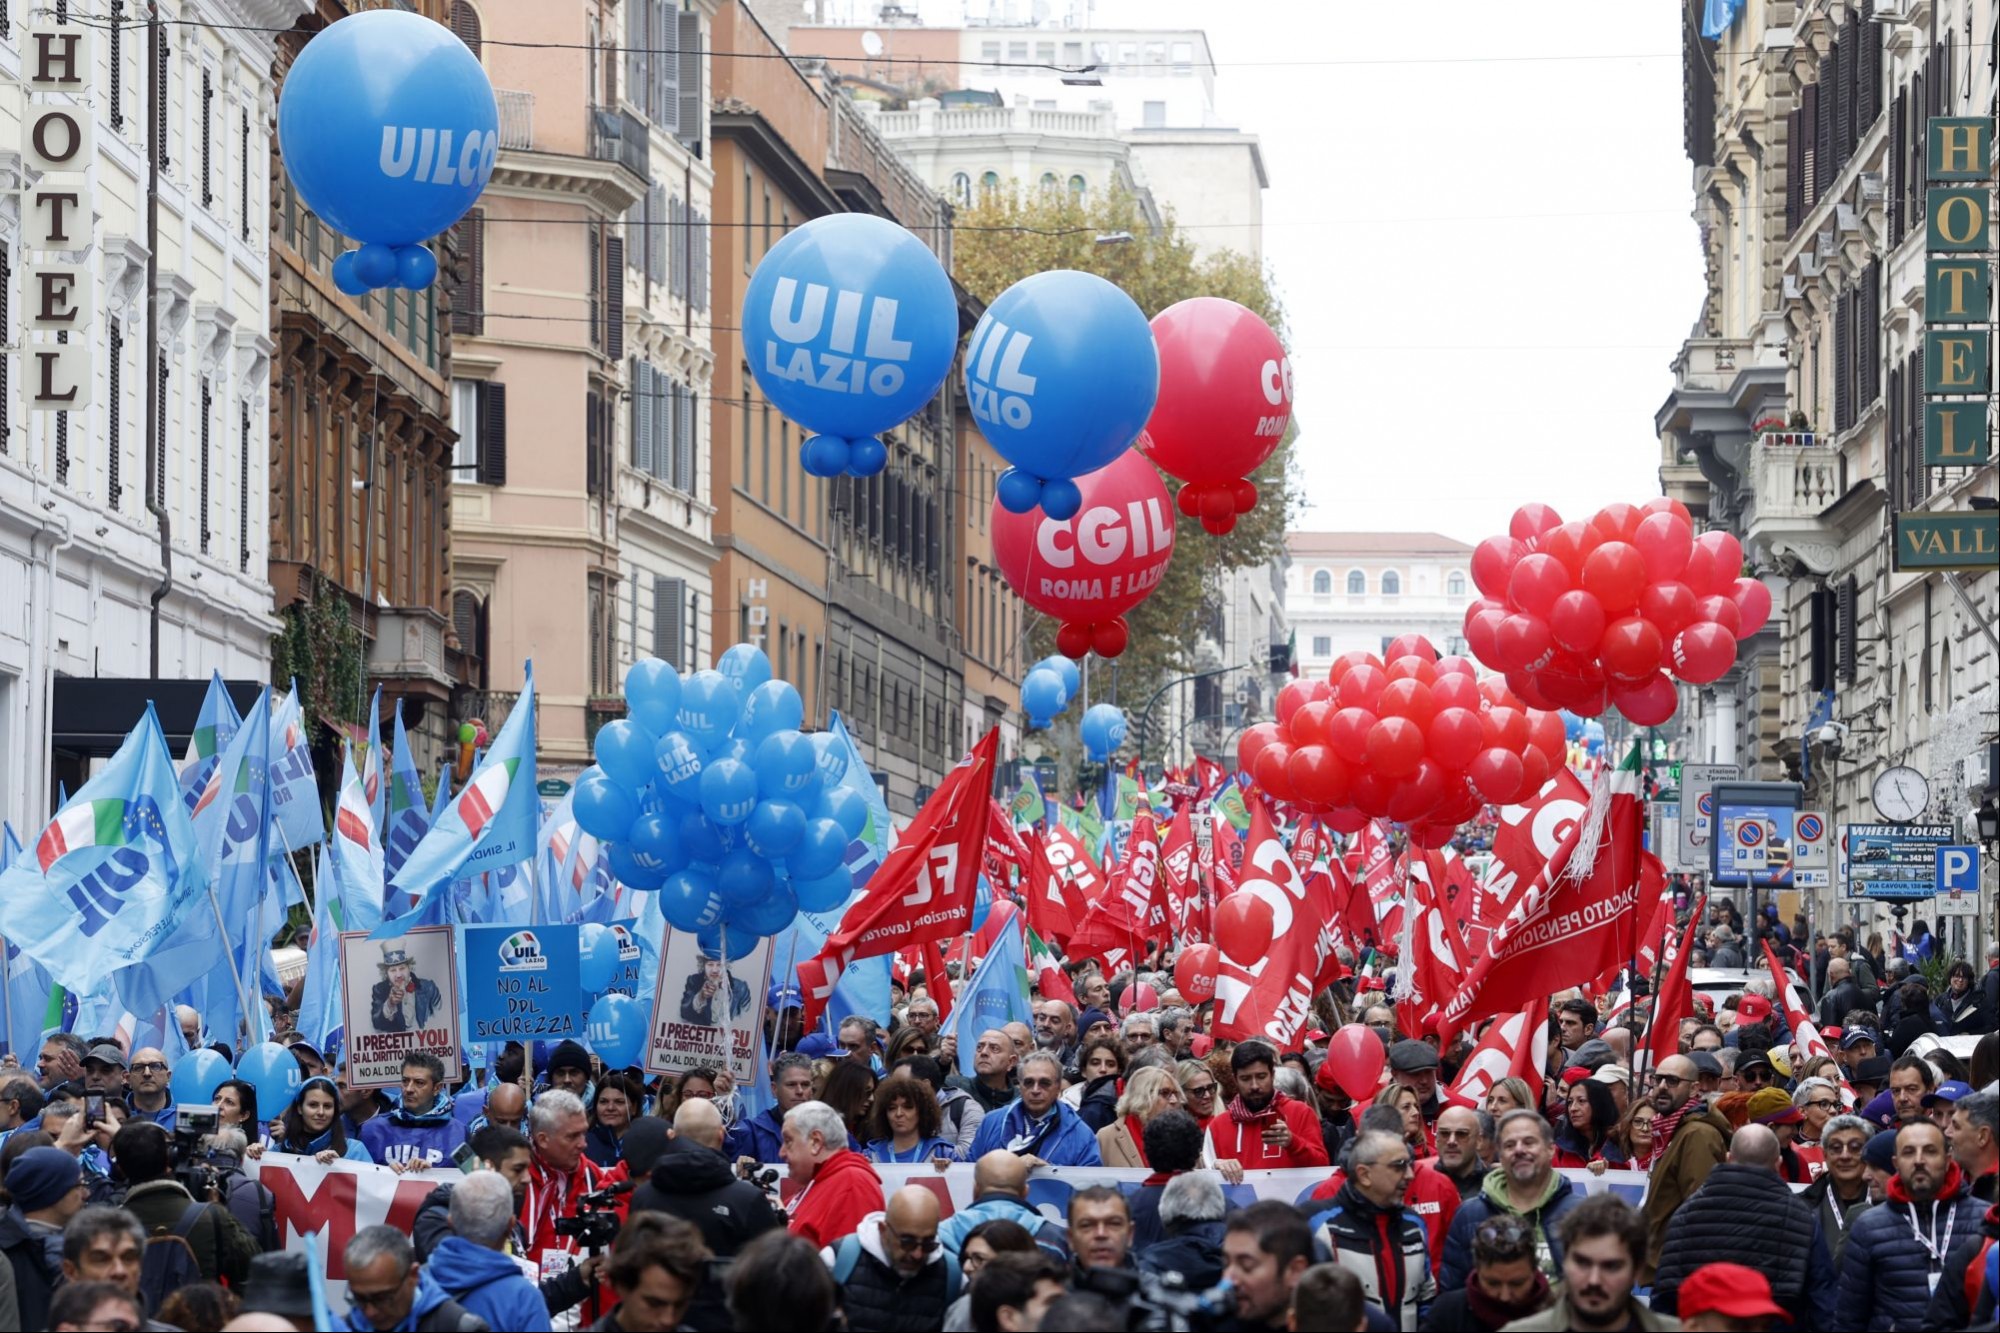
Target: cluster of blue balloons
(709,793)
(1589,731)
(1103,731)
(850,325)
(1049,686)
(388,128)
(1061,375)
(269,1068)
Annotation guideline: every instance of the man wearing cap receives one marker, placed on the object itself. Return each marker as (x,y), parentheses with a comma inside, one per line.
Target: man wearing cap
(1755,1016)
(1746,1211)
(1727,1298)
(104,1071)
(146,1095)
(1974,1135)
(1695,1141)
(47,1188)
(1707,1072)
(784,1015)
(1896,1253)
(1413,1064)
(569,1070)
(1868,1077)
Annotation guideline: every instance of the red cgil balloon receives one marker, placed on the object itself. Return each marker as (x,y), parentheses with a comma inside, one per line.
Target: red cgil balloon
(1408,698)
(1194,973)
(1521,643)
(1254,740)
(1088,571)
(1497,774)
(1631,649)
(1309,726)
(1536,583)
(1395,747)
(1243,926)
(1362,686)
(1347,731)
(1615,574)
(1225,400)
(1434,835)
(1410,645)
(1723,612)
(1493,561)
(1665,541)
(1648,704)
(1294,696)
(1456,690)
(1318,774)
(1576,621)
(1455,738)
(1703,652)
(1714,565)
(1353,1065)
(1346,662)
(1271,770)
(1672,607)
(1531,521)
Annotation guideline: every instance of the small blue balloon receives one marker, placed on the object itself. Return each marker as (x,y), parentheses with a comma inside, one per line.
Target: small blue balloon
(1018,491)
(734,748)
(850,325)
(1042,693)
(773,706)
(595,965)
(690,900)
(345,278)
(821,849)
(849,809)
(1103,731)
(604,807)
(745,666)
(624,750)
(741,943)
(743,876)
(628,870)
(198,1074)
(866,456)
(1064,667)
(655,843)
(767,915)
(774,828)
(828,893)
(375,264)
(701,840)
(832,757)
(824,456)
(786,764)
(653,694)
(274,1072)
(388,127)
(728,791)
(416,267)
(1061,373)
(679,761)
(615,1028)
(1061,498)
(709,707)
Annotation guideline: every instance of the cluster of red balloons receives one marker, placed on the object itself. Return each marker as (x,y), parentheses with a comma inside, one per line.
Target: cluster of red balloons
(1225,400)
(1597,614)
(1419,739)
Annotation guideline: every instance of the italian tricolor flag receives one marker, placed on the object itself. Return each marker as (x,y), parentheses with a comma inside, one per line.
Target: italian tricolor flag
(1049,976)
(81,824)
(485,794)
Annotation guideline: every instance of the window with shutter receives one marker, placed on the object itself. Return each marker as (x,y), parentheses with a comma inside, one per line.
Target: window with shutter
(594,280)
(6,332)
(207,110)
(492,434)
(207,404)
(244,157)
(663,103)
(1825,160)
(243,493)
(676,243)
(637,57)
(465,622)
(593,469)
(669,619)
(114,413)
(1897,428)
(1868,75)
(1868,364)
(1840,65)
(698,289)
(691,117)
(117,36)
(642,416)
(465,26)
(162,122)
(1847,607)
(659,234)
(1843,330)
(158,444)
(684,441)
(1898,160)
(468,298)
(1795,168)
(1809,146)
(1920,476)
(614,305)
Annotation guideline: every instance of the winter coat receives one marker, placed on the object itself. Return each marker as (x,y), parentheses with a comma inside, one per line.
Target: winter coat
(698,1185)
(1048,1233)
(1726,956)
(1884,1274)
(222,1248)
(758,1137)
(601,1145)
(1832,1219)
(878,1299)
(488,1284)
(1192,1249)
(1098,1105)
(431,1312)
(1558,1197)
(1700,1143)
(426,1138)
(1455,1312)
(1117,1146)
(1838,1003)
(1965,1013)
(1243,1140)
(1952,1306)
(1385,1249)
(35,1254)
(991,1100)
(1432,1196)
(1068,1141)
(1747,1215)
(1558,1317)
(844,1190)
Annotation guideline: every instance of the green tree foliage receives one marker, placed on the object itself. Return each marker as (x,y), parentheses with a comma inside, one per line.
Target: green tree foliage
(320,647)
(1008,235)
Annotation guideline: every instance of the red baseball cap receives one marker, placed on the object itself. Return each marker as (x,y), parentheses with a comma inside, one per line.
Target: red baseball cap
(1752,1008)
(1730,1290)
(1574,1075)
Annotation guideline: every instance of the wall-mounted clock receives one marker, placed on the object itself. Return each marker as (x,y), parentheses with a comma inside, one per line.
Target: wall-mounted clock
(1902,795)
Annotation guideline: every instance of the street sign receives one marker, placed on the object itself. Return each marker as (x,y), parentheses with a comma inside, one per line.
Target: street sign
(1752,845)
(1894,861)
(1957,869)
(1698,812)
(1812,851)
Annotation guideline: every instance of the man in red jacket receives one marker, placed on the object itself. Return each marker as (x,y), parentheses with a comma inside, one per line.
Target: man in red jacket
(1263,1128)
(838,1188)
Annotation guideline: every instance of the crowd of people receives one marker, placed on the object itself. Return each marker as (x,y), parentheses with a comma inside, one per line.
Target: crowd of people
(1854,1190)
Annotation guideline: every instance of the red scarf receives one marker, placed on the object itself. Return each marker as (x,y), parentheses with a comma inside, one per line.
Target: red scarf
(1137,1130)
(551,1194)
(1243,1115)
(1665,1125)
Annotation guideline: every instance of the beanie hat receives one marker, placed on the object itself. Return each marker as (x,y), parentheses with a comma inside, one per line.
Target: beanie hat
(1769,1101)
(40,1176)
(570,1055)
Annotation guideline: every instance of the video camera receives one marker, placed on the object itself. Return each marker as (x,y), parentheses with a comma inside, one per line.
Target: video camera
(595,1224)
(199,1168)
(1161,1302)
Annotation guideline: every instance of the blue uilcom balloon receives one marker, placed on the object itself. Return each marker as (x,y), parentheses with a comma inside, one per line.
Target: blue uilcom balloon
(389,129)
(850,325)
(1061,373)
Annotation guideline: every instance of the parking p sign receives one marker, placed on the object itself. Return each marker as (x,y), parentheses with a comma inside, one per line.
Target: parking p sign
(1957,870)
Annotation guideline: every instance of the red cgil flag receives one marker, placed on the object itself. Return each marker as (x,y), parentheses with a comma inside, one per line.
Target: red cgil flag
(1134,909)
(925,889)
(1178,873)
(1270,996)
(1516,1046)
(1062,879)
(1528,835)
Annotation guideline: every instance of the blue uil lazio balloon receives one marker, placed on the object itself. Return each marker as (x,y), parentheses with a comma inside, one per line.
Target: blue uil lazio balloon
(1061,374)
(850,326)
(1103,730)
(388,128)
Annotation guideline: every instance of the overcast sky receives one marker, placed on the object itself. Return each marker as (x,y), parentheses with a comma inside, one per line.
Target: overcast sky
(1484,250)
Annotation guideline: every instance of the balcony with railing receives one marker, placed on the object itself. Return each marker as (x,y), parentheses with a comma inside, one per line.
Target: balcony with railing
(1794,480)
(927,119)
(517,118)
(619,136)
(544,154)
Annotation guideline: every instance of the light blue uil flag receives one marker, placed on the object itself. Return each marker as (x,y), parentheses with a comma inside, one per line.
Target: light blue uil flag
(113,875)
(295,813)
(996,996)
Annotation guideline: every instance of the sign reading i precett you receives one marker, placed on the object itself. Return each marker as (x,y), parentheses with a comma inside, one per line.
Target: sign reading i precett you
(57,145)
(1958,344)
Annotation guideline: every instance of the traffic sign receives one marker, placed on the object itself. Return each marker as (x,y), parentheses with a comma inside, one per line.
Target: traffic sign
(1698,812)
(1894,861)
(1957,869)
(1812,866)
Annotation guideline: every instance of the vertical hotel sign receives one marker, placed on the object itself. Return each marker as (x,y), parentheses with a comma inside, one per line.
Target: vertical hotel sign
(1958,341)
(57,146)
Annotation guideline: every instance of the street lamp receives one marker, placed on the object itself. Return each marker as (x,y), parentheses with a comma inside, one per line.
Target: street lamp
(1988,818)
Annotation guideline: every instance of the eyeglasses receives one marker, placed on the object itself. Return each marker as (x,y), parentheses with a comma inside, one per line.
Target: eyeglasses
(1038,1083)
(1847,1148)
(374,1299)
(150,1067)
(1398,1165)
(1822,1105)
(1202,1090)
(923,1243)
(1670,1080)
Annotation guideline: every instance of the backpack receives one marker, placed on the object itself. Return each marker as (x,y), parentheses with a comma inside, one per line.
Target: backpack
(169,1262)
(847,1253)
(254,1207)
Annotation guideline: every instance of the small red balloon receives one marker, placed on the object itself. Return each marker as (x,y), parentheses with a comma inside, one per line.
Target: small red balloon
(1753,601)
(1318,774)
(1455,737)
(1615,574)
(1721,611)
(1456,690)
(1309,726)
(1395,747)
(1532,520)
(1347,732)
(1703,652)
(1672,607)
(1648,704)
(1243,926)
(1362,686)
(1497,775)
(1410,699)
(1536,583)
(1577,621)
(1521,643)
(1293,696)
(1535,770)
(1225,392)
(1194,973)
(1270,770)
(1665,541)
(1252,741)
(1410,645)
(1353,1065)
(1493,561)
(1505,727)
(1630,649)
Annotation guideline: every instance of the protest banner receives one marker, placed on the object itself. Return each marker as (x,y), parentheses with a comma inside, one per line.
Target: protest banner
(402,996)
(522,983)
(707,1013)
(339,1199)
